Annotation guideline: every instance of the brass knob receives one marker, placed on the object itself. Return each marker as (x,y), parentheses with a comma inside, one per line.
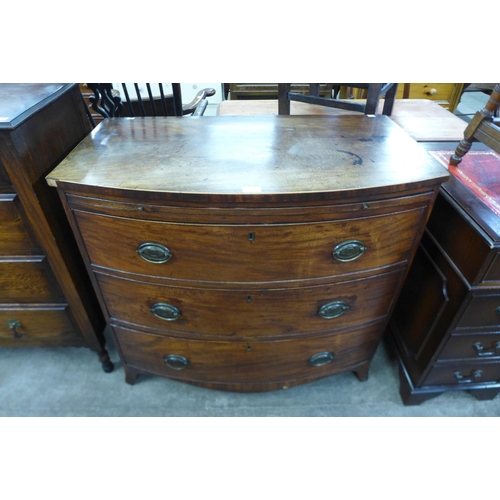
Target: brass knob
(176,362)
(164,311)
(333,309)
(14,324)
(155,253)
(322,358)
(349,250)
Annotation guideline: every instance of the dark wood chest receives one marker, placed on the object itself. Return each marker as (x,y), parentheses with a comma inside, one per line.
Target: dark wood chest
(445,326)
(46,298)
(248,253)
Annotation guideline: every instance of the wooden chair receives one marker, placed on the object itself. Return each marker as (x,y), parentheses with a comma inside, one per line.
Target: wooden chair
(375,91)
(483,127)
(110,102)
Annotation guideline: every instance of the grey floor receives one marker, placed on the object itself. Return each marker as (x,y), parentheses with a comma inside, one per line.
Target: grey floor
(43,382)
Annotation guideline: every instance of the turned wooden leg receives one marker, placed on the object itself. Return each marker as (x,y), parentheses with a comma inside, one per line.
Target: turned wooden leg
(106,363)
(462,149)
(362,371)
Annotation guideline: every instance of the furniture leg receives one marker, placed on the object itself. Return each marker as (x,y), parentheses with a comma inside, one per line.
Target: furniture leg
(485,394)
(106,363)
(362,371)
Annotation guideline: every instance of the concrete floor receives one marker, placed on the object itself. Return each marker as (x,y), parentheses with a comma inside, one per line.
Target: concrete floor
(69,382)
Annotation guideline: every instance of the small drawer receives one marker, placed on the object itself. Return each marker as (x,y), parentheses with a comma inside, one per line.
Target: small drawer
(14,238)
(248,253)
(479,346)
(482,311)
(463,374)
(248,312)
(246,362)
(28,282)
(34,325)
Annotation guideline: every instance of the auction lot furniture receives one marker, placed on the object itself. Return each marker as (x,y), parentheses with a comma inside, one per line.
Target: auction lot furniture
(248,253)
(46,297)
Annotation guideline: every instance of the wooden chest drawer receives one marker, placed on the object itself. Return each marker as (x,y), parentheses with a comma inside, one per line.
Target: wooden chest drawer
(246,362)
(463,374)
(248,312)
(35,325)
(249,253)
(14,238)
(482,311)
(478,346)
(28,282)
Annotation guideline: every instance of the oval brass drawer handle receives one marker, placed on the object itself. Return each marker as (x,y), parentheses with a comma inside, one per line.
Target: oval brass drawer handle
(176,362)
(349,250)
(155,253)
(333,309)
(320,359)
(164,311)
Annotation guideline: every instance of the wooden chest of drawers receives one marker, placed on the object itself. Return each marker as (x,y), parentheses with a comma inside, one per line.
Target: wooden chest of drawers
(46,297)
(251,253)
(445,326)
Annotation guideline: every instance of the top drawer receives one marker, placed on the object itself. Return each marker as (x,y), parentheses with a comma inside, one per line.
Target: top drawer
(248,253)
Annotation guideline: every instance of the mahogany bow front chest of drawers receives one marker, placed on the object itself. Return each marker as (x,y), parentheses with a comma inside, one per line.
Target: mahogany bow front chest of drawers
(46,297)
(248,253)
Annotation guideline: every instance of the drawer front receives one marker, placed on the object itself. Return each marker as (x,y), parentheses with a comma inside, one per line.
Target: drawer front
(250,312)
(433,91)
(464,374)
(482,311)
(37,326)
(479,346)
(28,282)
(246,362)
(14,239)
(492,276)
(249,253)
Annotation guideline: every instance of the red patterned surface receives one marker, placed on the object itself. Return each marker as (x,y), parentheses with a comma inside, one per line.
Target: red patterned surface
(479,171)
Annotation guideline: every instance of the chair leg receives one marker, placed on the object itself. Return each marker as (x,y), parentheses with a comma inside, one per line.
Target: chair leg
(283,101)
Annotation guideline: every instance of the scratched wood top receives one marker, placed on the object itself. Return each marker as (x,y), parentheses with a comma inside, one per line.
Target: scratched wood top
(250,155)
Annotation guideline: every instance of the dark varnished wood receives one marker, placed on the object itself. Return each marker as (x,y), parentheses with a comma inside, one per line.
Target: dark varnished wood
(250,209)
(449,301)
(44,286)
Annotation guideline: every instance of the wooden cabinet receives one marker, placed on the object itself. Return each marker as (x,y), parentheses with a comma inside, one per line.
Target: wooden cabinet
(248,253)
(46,297)
(445,94)
(445,326)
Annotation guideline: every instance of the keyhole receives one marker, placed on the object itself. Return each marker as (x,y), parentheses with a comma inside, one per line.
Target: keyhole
(251,237)
(249,298)
(249,348)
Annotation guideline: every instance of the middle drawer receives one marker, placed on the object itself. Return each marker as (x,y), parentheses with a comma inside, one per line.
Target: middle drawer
(249,311)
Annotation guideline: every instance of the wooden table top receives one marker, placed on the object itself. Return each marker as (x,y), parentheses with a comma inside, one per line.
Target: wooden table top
(236,156)
(422,119)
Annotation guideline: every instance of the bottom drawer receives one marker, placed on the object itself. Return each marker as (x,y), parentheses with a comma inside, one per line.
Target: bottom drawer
(464,374)
(256,361)
(38,326)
